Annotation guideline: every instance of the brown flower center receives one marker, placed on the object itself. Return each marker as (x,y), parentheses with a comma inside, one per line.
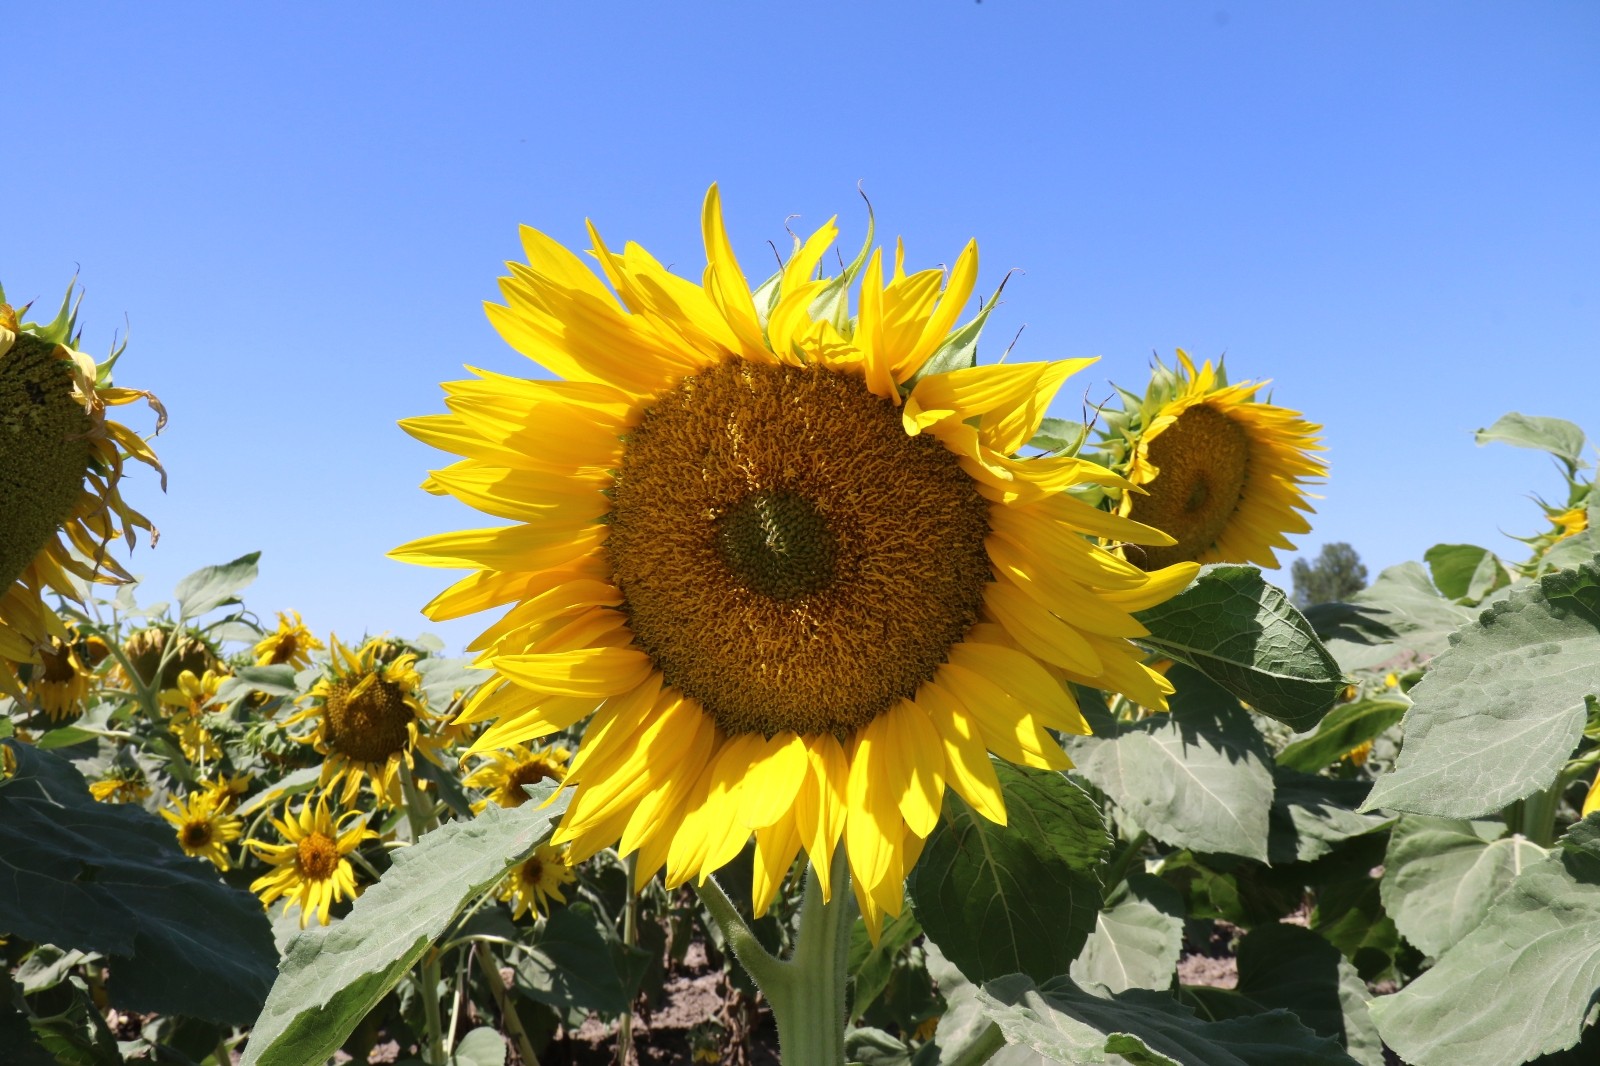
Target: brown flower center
(196,834)
(529,773)
(367,718)
(1203,462)
(787,554)
(316,857)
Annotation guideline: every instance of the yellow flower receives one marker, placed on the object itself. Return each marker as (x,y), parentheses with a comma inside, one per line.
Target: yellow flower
(226,791)
(1591,802)
(190,699)
(292,643)
(369,717)
(62,679)
(532,884)
(203,829)
(1570,523)
(1358,755)
(800,583)
(61,467)
(193,694)
(504,774)
(121,784)
(1220,471)
(310,867)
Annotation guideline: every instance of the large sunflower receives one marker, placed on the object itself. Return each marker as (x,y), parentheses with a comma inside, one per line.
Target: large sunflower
(61,464)
(798,578)
(1221,472)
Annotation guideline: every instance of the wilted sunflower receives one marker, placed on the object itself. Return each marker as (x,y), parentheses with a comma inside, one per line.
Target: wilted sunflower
(61,465)
(292,643)
(61,680)
(535,882)
(204,829)
(504,773)
(1219,471)
(369,720)
(310,867)
(797,576)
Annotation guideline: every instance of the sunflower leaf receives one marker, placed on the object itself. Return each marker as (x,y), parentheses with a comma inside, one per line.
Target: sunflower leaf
(1245,635)
(1557,436)
(1136,939)
(1014,898)
(212,586)
(110,878)
(330,978)
(1346,728)
(1497,715)
(1465,572)
(1289,966)
(1541,936)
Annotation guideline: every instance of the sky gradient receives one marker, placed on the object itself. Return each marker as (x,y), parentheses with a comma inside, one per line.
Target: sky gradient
(296,211)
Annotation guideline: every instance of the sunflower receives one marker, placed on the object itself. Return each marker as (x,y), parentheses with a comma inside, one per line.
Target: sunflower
(226,791)
(61,465)
(61,680)
(310,867)
(145,650)
(369,720)
(292,643)
(189,700)
(504,774)
(534,882)
(1220,471)
(797,580)
(121,784)
(204,829)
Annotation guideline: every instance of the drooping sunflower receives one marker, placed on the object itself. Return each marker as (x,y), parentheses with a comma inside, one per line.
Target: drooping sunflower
(535,882)
(1220,471)
(146,651)
(204,829)
(60,682)
(504,773)
(61,468)
(292,643)
(310,868)
(782,552)
(370,719)
(226,791)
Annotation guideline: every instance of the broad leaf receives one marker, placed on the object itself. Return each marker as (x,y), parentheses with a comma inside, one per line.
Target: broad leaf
(1465,572)
(1293,968)
(1014,898)
(212,586)
(1404,602)
(1557,436)
(1497,716)
(870,965)
(1523,983)
(1442,876)
(1245,635)
(1197,778)
(1349,910)
(18,1038)
(1066,1024)
(1136,939)
(483,1046)
(110,878)
(572,964)
(1346,728)
(276,679)
(965,1036)
(1312,815)
(330,978)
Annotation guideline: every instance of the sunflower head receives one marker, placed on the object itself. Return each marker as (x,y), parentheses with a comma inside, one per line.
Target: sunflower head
(145,649)
(292,643)
(309,864)
(504,775)
(1219,471)
(778,546)
(61,465)
(535,882)
(204,829)
(369,719)
(60,681)
(121,784)
(1565,521)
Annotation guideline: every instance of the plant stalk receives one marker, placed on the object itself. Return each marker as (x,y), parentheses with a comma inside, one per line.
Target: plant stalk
(434,1052)
(509,1019)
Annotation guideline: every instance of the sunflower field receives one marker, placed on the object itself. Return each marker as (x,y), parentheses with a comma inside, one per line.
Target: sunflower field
(835,703)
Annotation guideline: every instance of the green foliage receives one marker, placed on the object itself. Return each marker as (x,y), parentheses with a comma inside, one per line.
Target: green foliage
(1337,575)
(1498,714)
(110,878)
(574,962)
(1346,728)
(1288,967)
(330,978)
(1412,616)
(1556,436)
(1014,898)
(1442,876)
(1136,938)
(1466,573)
(211,587)
(1246,636)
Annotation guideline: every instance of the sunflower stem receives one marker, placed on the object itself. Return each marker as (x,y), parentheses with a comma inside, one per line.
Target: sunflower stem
(510,1021)
(630,938)
(434,1052)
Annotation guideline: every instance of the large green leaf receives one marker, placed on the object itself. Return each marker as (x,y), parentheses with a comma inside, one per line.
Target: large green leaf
(1014,898)
(1403,602)
(1245,635)
(1557,436)
(1441,876)
(110,878)
(871,965)
(1346,728)
(1497,716)
(17,1037)
(1199,777)
(572,964)
(1288,966)
(212,586)
(965,1036)
(1066,1024)
(1349,912)
(1312,815)
(1465,572)
(330,978)
(1523,983)
(1136,938)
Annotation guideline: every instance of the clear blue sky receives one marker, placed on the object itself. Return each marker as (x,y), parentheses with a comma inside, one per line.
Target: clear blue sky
(1390,209)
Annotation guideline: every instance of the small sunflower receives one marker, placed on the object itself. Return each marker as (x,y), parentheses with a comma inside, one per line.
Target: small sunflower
(292,643)
(204,829)
(504,774)
(310,868)
(1219,471)
(369,718)
(534,882)
(797,579)
(226,791)
(1565,522)
(121,784)
(61,467)
(61,680)
(189,700)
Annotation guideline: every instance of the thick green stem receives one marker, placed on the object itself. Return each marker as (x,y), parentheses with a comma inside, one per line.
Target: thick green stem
(630,938)
(1539,814)
(807,990)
